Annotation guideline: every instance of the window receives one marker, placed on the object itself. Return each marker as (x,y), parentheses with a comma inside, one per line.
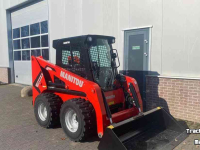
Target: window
(16,33)
(66,57)
(16,44)
(45,54)
(31,40)
(25,43)
(26,55)
(36,52)
(44,27)
(35,29)
(17,55)
(25,31)
(76,57)
(101,63)
(104,56)
(101,52)
(44,40)
(35,42)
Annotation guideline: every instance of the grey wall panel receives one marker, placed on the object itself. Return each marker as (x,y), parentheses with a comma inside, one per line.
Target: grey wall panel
(92,17)
(56,24)
(181,35)
(144,13)
(11,3)
(4,5)
(4,62)
(123,23)
(73,27)
(6,53)
(110,18)
(175,32)
(100,17)
(64,20)
(35,13)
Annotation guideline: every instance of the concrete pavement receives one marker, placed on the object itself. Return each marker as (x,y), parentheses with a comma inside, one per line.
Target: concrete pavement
(20,131)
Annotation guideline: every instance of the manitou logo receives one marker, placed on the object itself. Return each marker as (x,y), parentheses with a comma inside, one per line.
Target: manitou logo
(71,79)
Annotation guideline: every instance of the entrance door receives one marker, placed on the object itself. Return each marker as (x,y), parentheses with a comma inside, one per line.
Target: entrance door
(136,49)
(136,56)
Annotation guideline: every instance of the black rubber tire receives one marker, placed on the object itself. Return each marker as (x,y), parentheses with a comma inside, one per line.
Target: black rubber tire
(53,104)
(86,119)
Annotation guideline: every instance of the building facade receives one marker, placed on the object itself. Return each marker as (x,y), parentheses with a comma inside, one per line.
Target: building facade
(157,41)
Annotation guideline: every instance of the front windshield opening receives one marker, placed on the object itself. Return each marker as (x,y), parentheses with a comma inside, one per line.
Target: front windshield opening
(101,63)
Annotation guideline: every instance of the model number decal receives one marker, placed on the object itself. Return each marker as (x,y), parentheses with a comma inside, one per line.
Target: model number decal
(110,97)
(39,80)
(72,79)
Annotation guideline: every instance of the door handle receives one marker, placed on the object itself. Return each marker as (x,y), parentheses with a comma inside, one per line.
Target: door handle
(146,54)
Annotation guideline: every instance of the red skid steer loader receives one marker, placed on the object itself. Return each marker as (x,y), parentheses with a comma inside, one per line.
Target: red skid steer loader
(85,93)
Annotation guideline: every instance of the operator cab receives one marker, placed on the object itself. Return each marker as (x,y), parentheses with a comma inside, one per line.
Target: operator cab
(90,56)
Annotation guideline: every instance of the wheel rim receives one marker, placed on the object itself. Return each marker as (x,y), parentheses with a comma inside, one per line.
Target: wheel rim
(42,112)
(71,120)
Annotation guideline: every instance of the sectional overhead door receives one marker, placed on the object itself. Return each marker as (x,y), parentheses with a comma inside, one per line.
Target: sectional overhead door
(30,37)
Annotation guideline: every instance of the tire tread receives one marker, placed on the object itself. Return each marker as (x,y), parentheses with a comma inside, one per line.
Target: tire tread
(89,118)
(54,102)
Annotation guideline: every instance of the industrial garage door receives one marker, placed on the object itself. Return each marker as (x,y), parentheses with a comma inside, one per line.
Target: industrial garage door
(30,37)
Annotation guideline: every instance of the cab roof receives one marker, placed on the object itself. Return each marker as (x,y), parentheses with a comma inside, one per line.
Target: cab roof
(77,40)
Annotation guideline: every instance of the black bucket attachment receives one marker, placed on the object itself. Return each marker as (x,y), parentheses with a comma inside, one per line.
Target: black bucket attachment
(154,130)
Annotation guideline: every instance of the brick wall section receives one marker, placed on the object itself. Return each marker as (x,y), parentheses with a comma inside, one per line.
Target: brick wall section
(4,75)
(181,97)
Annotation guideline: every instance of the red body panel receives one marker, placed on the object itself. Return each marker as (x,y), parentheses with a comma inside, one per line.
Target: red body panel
(124,114)
(115,96)
(43,71)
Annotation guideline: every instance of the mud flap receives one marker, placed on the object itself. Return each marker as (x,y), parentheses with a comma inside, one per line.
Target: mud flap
(154,130)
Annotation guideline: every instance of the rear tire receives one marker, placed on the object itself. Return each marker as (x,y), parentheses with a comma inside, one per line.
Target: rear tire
(47,109)
(78,119)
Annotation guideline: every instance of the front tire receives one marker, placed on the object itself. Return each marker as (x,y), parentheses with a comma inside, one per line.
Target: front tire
(47,109)
(78,119)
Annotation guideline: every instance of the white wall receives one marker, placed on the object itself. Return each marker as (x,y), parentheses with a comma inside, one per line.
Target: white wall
(32,14)
(106,17)
(4,53)
(149,12)
(64,20)
(175,33)
(181,38)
